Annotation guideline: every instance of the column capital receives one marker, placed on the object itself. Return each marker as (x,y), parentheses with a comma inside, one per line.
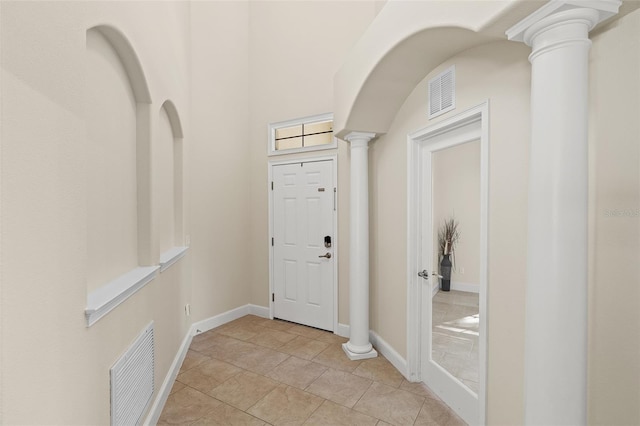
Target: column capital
(557,12)
(359,138)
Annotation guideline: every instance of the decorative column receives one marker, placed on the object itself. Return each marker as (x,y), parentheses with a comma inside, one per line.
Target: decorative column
(556,304)
(358,346)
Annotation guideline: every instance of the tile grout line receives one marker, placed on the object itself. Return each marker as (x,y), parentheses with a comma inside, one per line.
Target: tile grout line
(327,345)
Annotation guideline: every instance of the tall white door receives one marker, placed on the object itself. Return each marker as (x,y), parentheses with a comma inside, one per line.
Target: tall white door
(303,243)
(451,353)
(450,180)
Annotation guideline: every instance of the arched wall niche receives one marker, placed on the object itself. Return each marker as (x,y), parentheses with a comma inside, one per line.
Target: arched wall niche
(170,176)
(129,60)
(403,45)
(118,103)
(174,118)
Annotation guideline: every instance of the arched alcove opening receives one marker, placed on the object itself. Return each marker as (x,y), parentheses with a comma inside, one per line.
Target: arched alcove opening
(170,178)
(405,43)
(119,224)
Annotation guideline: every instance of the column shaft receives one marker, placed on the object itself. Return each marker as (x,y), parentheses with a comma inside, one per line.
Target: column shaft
(556,320)
(556,305)
(358,346)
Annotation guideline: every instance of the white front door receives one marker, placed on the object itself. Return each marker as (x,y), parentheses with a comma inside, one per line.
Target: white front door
(303,221)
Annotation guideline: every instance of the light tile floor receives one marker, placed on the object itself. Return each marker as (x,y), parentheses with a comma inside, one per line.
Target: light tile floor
(255,371)
(455,334)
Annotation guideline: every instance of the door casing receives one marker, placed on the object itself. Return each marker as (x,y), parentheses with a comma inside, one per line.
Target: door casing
(336,245)
(446,133)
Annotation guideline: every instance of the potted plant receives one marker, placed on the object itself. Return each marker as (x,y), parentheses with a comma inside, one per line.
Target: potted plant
(448,236)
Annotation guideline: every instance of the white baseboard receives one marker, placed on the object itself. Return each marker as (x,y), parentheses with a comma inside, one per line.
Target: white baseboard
(382,347)
(220,319)
(259,311)
(462,286)
(343,330)
(167,384)
(196,328)
(389,353)
(216,321)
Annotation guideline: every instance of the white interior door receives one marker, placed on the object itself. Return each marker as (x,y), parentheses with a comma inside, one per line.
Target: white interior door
(303,219)
(426,325)
(434,371)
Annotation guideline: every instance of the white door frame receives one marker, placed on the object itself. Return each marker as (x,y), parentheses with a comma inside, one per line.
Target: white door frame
(421,142)
(296,160)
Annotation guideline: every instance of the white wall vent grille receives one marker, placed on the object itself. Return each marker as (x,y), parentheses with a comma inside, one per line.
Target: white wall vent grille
(442,92)
(132,382)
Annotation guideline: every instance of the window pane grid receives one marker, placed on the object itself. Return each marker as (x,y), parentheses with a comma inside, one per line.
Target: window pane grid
(304,135)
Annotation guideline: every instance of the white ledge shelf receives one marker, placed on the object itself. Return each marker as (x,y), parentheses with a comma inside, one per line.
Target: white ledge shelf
(171,256)
(103,300)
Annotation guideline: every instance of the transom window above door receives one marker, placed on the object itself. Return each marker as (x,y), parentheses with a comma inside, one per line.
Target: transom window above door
(304,134)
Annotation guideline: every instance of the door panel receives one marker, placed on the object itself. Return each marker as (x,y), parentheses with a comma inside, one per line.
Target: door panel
(303,280)
(450,361)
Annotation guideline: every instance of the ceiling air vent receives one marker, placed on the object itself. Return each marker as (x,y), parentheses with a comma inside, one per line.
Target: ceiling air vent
(442,92)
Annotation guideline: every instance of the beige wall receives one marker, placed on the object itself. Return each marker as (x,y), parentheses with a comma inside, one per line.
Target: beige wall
(230,70)
(55,370)
(217,151)
(198,56)
(614,225)
(500,73)
(456,194)
(112,233)
(295,48)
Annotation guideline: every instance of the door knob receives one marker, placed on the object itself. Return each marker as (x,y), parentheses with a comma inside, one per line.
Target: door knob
(424,274)
(328,255)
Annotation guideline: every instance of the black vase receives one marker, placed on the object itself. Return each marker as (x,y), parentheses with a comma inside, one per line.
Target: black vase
(445,271)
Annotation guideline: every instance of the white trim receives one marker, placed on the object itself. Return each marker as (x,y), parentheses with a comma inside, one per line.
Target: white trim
(342,330)
(359,138)
(336,240)
(457,286)
(220,319)
(605,8)
(170,378)
(259,311)
(357,356)
(171,256)
(272,127)
(106,298)
(468,287)
(389,353)
(414,261)
(439,136)
(484,262)
(382,346)
(216,321)
(196,328)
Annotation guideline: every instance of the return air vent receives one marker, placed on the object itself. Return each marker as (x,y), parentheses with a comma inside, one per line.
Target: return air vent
(132,381)
(442,92)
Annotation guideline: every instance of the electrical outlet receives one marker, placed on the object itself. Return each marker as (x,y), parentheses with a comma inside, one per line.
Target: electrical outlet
(187,310)
(187,240)
(461,271)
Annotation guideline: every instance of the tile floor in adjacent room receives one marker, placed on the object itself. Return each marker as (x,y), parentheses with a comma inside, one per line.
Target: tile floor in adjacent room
(455,334)
(255,371)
